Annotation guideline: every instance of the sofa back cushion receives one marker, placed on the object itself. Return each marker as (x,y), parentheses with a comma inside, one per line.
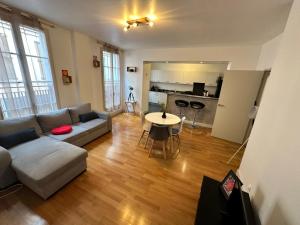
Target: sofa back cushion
(78,110)
(88,117)
(54,119)
(10,140)
(11,126)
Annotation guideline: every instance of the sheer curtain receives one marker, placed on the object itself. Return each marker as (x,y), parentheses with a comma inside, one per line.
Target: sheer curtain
(37,58)
(111,79)
(14,96)
(26,82)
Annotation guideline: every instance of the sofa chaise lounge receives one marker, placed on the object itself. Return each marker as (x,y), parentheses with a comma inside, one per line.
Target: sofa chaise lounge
(49,162)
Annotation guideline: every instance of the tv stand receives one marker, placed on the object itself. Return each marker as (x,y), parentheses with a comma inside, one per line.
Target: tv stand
(214,209)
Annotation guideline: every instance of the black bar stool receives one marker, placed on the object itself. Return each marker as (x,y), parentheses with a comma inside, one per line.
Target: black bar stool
(181,104)
(197,106)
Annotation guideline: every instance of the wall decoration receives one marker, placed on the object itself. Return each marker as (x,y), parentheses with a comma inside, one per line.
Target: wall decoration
(66,78)
(130,96)
(131,69)
(229,183)
(96,62)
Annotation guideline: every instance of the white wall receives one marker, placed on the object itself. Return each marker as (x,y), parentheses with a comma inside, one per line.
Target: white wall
(74,51)
(89,78)
(243,58)
(213,67)
(61,52)
(268,53)
(271,160)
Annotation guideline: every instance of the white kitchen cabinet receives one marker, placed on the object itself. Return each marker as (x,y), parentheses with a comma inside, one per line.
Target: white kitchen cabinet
(158,97)
(167,76)
(190,77)
(184,77)
(178,77)
(210,79)
(155,75)
(201,77)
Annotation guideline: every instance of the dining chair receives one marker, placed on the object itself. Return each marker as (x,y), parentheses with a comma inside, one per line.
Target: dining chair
(146,128)
(159,133)
(176,131)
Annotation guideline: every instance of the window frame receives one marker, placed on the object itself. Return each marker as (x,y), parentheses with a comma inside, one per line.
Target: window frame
(112,68)
(16,24)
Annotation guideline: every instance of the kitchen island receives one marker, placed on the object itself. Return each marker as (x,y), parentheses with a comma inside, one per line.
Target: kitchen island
(204,118)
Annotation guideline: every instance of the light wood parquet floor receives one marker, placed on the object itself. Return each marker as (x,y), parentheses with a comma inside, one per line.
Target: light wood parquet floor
(123,186)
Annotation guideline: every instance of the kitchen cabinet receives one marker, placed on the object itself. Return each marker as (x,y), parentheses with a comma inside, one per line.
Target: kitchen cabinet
(184,77)
(211,79)
(158,97)
(178,77)
(155,75)
(166,76)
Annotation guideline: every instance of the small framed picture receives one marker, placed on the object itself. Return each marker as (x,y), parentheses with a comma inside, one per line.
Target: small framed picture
(229,183)
(131,69)
(66,78)
(96,62)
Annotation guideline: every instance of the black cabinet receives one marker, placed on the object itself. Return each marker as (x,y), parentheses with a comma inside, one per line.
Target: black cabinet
(214,209)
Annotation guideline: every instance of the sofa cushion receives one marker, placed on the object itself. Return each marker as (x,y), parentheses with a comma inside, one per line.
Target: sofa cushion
(10,126)
(88,116)
(93,124)
(5,160)
(19,137)
(80,109)
(48,121)
(77,132)
(64,129)
(44,159)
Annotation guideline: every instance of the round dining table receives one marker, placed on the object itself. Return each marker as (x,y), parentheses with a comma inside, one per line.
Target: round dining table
(170,120)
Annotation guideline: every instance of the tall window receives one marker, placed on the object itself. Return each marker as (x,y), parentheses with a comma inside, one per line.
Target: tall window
(26,83)
(111,77)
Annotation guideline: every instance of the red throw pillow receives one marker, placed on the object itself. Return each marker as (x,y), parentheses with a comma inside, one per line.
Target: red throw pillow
(64,129)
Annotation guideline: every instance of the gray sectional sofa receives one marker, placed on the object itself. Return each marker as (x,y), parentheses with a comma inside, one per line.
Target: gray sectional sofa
(49,162)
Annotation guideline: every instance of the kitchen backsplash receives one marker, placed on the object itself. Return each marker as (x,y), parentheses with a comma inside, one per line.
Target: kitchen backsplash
(180,87)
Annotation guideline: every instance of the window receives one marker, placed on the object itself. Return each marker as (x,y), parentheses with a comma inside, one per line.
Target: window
(111,77)
(37,58)
(26,84)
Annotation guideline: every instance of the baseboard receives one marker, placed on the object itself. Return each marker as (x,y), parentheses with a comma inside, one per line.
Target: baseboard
(115,113)
(198,124)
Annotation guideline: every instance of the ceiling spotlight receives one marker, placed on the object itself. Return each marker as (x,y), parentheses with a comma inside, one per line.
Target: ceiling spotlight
(152,17)
(151,24)
(147,21)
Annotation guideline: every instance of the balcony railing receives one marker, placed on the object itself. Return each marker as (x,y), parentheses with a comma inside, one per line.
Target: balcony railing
(15,99)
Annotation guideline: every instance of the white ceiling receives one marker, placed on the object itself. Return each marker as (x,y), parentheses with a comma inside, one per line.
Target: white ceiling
(180,23)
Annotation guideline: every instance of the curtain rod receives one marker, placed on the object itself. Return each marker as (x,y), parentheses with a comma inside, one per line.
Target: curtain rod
(26,14)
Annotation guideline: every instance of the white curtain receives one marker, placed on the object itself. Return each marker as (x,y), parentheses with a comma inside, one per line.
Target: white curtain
(37,58)
(26,84)
(14,95)
(111,78)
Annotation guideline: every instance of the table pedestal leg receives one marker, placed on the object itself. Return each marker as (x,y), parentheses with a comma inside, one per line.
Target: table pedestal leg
(171,136)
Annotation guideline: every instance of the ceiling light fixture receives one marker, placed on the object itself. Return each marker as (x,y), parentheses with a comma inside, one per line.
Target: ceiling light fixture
(146,21)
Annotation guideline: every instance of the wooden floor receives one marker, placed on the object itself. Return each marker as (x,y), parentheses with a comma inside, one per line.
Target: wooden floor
(123,186)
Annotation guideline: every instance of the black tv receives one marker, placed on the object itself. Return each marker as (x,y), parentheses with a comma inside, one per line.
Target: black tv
(198,88)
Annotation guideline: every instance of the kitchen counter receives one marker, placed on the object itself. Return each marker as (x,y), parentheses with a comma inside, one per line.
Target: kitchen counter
(205,117)
(193,96)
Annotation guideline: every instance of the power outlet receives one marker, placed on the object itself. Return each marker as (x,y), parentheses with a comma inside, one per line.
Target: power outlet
(247,188)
